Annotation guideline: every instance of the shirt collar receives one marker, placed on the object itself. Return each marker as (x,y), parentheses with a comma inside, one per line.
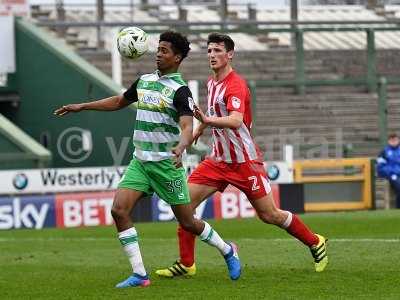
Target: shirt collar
(169,75)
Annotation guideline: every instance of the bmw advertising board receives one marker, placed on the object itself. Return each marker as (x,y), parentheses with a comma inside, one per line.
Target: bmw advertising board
(41,181)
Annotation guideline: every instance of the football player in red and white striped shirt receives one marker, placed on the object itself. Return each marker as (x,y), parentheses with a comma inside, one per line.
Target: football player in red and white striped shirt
(235,159)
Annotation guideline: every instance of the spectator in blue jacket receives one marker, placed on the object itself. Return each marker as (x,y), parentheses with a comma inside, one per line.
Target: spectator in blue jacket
(388,164)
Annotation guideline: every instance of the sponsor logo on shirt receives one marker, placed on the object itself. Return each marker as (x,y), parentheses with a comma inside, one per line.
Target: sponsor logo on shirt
(151,99)
(236,102)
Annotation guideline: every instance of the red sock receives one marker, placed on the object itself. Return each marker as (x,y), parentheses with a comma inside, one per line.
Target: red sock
(300,231)
(186,246)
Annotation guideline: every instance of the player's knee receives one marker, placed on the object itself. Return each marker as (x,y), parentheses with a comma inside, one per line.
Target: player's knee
(266,218)
(187,225)
(270,218)
(118,213)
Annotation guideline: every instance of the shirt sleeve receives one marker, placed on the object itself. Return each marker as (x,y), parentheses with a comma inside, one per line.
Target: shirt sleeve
(183,101)
(236,97)
(131,93)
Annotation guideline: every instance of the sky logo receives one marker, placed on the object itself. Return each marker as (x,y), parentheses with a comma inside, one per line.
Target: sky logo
(27,212)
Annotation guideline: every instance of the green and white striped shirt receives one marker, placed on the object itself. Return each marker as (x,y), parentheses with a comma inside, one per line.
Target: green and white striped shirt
(161,101)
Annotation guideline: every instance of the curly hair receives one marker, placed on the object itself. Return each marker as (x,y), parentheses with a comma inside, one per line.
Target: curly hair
(179,43)
(216,37)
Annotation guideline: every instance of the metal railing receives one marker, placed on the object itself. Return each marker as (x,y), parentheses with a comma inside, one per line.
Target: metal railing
(297,28)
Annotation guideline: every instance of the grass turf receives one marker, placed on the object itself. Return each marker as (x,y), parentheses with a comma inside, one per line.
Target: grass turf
(86,263)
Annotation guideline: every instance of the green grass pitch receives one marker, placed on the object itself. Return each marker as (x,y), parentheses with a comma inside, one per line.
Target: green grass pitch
(86,263)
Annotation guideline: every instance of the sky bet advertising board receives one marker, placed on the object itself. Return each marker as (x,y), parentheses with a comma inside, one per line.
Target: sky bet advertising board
(34,212)
(62,210)
(94,209)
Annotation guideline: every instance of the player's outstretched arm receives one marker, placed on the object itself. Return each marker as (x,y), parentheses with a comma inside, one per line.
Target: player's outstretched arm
(106,104)
(233,121)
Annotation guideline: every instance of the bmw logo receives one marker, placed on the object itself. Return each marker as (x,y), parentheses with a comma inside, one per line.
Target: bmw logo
(20,181)
(273,172)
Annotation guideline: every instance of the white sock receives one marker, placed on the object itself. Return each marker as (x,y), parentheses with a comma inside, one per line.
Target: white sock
(211,237)
(130,243)
(288,220)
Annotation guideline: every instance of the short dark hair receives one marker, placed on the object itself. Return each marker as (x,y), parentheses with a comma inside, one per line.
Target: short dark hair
(216,37)
(179,43)
(393,136)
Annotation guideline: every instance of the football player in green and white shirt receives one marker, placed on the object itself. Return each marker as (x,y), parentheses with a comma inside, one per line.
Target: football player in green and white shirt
(163,130)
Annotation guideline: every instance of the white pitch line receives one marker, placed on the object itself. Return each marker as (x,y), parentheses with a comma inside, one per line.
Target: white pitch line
(94,239)
(366,240)
(346,240)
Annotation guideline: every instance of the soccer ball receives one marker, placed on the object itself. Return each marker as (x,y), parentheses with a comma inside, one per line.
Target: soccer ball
(132,42)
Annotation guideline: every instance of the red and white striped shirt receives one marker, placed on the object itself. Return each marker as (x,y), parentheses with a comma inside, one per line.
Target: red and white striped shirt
(231,94)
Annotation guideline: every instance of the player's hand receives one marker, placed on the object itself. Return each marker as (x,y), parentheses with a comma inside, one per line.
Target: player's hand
(196,134)
(177,158)
(67,109)
(199,115)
